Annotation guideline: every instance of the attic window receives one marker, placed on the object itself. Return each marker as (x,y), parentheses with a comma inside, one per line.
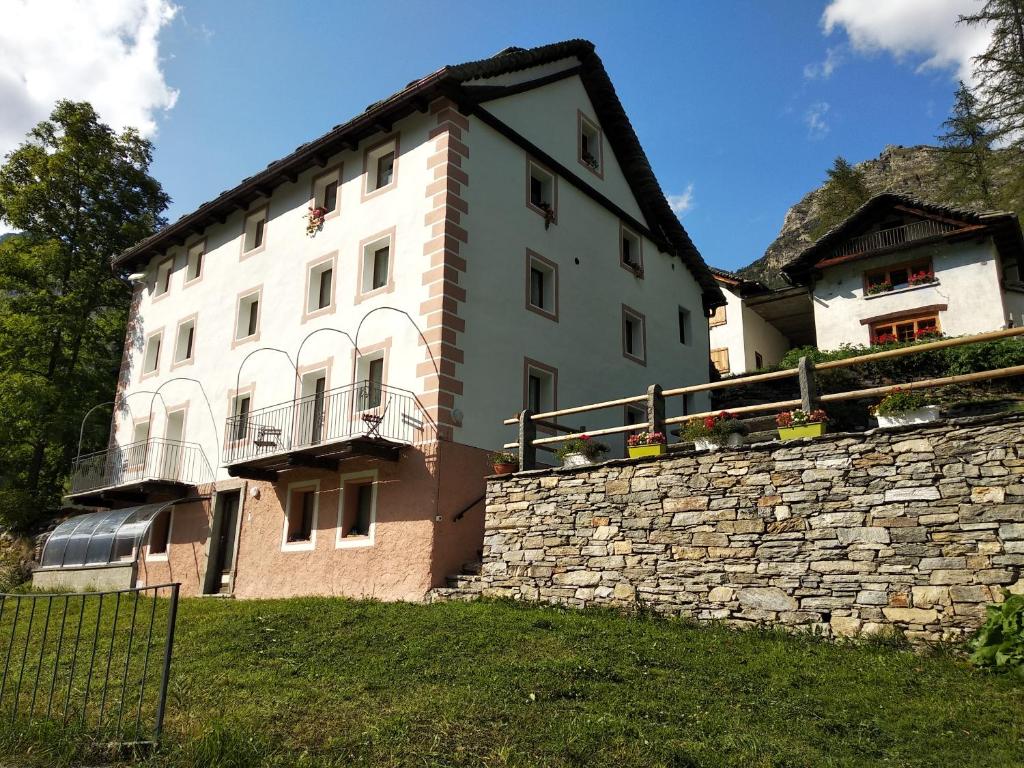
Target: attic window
(542,194)
(591,152)
(194,262)
(325,191)
(163,277)
(380,166)
(896,276)
(631,255)
(254,235)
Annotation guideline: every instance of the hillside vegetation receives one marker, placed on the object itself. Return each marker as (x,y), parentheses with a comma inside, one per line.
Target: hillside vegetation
(322,682)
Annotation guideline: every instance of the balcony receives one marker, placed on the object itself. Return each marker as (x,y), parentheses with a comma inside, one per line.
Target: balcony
(361,419)
(128,473)
(888,239)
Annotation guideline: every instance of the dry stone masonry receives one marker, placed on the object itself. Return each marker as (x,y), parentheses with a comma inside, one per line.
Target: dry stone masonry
(916,528)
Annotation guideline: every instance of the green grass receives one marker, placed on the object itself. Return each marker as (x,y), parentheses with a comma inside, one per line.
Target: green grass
(320,682)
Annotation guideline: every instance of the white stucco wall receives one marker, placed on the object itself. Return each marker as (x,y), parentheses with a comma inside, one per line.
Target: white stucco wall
(745,333)
(968,284)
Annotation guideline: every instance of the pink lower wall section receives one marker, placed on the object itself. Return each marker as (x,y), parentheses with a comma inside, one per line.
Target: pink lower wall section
(411,551)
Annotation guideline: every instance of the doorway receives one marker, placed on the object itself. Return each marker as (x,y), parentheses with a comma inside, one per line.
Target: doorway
(221,563)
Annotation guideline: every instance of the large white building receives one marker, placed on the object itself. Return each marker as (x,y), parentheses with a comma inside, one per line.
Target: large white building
(492,238)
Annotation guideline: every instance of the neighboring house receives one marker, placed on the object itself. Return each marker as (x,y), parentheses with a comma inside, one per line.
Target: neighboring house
(900,268)
(320,408)
(742,340)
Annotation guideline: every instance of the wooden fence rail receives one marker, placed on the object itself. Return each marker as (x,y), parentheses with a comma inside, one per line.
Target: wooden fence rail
(654,400)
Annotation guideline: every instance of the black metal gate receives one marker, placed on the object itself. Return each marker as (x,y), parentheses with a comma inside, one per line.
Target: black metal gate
(96,660)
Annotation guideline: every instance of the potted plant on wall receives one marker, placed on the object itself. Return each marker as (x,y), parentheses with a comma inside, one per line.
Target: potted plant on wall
(580,451)
(504,463)
(904,406)
(799,423)
(646,444)
(712,432)
(315,220)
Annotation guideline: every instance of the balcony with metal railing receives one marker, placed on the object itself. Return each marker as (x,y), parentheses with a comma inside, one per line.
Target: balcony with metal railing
(894,237)
(129,472)
(362,419)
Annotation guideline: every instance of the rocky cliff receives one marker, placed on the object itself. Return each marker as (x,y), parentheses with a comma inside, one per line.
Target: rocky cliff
(915,170)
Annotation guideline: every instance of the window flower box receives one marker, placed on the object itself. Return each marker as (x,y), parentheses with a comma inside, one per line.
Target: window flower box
(902,407)
(796,424)
(580,451)
(921,415)
(646,444)
(734,440)
(713,432)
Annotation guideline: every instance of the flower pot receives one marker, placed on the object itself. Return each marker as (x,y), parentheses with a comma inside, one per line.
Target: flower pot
(814,429)
(655,449)
(916,416)
(732,440)
(576,460)
(506,469)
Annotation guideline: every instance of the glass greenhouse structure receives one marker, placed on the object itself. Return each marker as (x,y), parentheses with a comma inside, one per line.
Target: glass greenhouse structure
(100,538)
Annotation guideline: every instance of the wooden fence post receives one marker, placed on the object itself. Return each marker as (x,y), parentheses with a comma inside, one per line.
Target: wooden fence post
(527,434)
(656,410)
(808,386)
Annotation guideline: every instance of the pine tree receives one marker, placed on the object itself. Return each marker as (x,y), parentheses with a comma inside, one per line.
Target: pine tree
(844,192)
(1000,68)
(967,156)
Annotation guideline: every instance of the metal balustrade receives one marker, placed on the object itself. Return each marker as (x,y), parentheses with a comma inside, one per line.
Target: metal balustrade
(891,238)
(363,409)
(156,459)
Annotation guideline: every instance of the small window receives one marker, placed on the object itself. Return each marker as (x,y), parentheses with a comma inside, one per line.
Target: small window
(376,267)
(194,262)
(718,317)
(720,359)
(685,333)
(541,286)
(160,533)
(758,361)
(591,154)
(370,373)
(381,166)
(908,329)
(301,515)
(254,235)
(247,325)
(630,251)
(634,335)
(140,432)
(320,286)
(184,345)
(541,384)
(163,277)
(240,408)
(325,191)
(541,193)
(898,276)
(358,509)
(151,356)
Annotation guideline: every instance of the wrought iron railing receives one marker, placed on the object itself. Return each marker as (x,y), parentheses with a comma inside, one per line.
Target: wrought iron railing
(156,459)
(891,238)
(363,409)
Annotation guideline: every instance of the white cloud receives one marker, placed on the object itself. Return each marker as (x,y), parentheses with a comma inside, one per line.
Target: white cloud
(824,69)
(102,51)
(680,204)
(817,125)
(921,30)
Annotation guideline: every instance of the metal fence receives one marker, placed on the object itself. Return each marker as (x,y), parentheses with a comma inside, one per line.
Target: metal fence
(154,459)
(365,408)
(96,661)
(889,238)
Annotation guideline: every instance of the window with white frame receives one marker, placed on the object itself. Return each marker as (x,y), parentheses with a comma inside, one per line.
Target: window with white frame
(320,286)
(590,144)
(194,262)
(254,235)
(357,512)
(376,267)
(160,535)
(140,432)
(541,285)
(540,388)
(541,192)
(151,355)
(370,371)
(634,335)
(241,406)
(380,166)
(247,323)
(184,344)
(325,191)
(685,331)
(163,277)
(631,251)
(301,515)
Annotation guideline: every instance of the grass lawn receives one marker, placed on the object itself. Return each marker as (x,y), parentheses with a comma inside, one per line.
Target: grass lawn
(320,682)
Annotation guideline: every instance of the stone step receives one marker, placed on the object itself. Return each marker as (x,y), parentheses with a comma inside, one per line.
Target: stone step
(464,581)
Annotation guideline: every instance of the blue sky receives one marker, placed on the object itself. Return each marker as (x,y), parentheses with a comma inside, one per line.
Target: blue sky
(740,105)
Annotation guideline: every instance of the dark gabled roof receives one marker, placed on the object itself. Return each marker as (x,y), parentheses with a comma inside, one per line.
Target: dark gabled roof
(738,283)
(450,81)
(1002,225)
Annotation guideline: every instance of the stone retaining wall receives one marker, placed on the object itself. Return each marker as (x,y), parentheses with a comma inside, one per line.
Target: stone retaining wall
(917,528)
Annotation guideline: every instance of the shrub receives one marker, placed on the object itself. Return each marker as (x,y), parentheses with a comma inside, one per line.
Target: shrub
(900,401)
(999,644)
(714,428)
(586,445)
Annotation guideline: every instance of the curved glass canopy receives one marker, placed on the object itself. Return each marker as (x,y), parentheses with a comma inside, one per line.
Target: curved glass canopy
(100,538)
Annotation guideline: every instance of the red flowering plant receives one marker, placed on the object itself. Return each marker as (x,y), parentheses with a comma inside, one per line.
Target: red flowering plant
(715,428)
(645,438)
(583,444)
(923,277)
(886,338)
(800,418)
(927,333)
(315,220)
(883,287)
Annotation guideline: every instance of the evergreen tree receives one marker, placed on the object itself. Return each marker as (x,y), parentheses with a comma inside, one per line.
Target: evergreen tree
(967,156)
(1000,68)
(78,193)
(845,190)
